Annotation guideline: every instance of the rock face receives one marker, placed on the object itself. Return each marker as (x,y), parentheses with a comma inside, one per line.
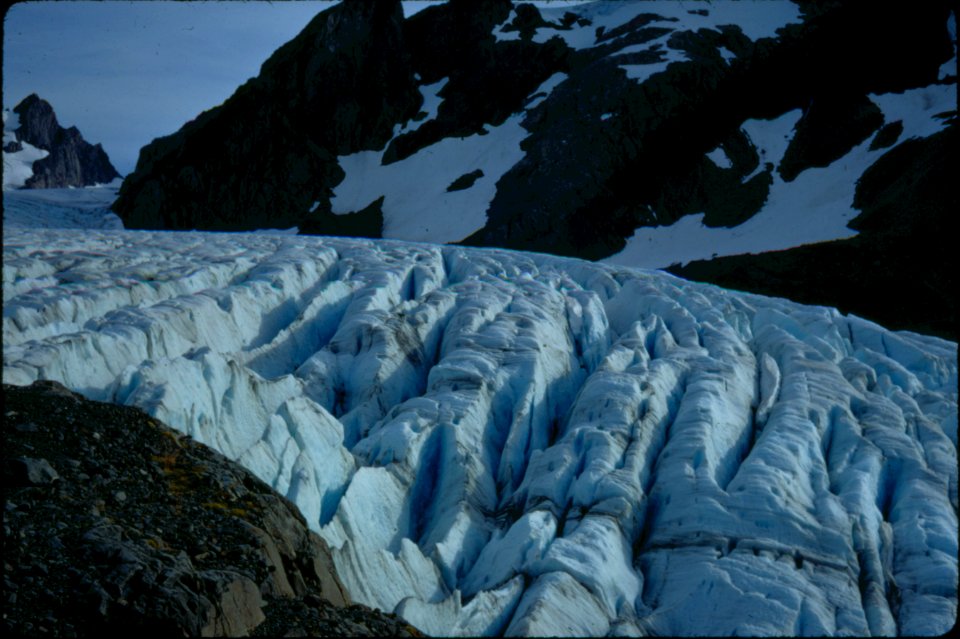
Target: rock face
(600,120)
(353,75)
(70,160)
(114,523)
(907,198)
(270,151)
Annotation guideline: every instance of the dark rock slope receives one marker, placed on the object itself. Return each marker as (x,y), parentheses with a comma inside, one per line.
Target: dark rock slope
(586,183)
(267,158)
(71,160)
(901,268)
(115,525)
(268,152)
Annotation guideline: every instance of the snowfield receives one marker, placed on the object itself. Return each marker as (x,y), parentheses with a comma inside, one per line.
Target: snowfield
(17,165)
(497,442)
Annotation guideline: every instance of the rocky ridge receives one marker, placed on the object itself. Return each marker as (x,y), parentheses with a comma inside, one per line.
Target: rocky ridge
(70,160)
(116,524)
(310,103)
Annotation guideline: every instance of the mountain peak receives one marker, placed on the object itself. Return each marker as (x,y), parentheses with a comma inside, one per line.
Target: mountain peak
(69,159)
(38,122)
(310,102)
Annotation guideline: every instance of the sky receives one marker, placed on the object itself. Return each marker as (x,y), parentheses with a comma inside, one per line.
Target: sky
(125,73)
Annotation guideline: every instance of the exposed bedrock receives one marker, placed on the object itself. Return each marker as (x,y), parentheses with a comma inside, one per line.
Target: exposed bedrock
(605,153)
(70,160)
(115,523)
(900,263)
(260,159)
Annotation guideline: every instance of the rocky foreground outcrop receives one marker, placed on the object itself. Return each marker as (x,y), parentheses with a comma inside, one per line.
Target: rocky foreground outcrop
(70,160)
(116,525)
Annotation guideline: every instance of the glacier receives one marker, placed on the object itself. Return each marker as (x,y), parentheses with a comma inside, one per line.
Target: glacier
(497,442)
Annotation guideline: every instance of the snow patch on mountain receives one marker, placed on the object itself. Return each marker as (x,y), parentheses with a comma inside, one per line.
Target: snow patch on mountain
(18,164)
(719,157)
(495,442)
(771,139)
(642,72)
(417,205)
(755,18)
(503,36)
(920,110)
(430,107)
(544,90)
(727,54)
(814,207)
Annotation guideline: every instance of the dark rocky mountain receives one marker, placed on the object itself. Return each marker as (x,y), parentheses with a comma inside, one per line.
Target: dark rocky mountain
(115,525)
(261,158)
(351,81)
(71,160)
(899,271)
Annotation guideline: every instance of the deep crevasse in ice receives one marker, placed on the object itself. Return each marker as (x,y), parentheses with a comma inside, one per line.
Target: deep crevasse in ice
(499,442)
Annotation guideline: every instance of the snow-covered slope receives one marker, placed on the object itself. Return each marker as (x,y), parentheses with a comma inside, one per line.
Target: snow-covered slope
(18,162)
(418,203)
(501,442)
(814,207)
(647,133)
